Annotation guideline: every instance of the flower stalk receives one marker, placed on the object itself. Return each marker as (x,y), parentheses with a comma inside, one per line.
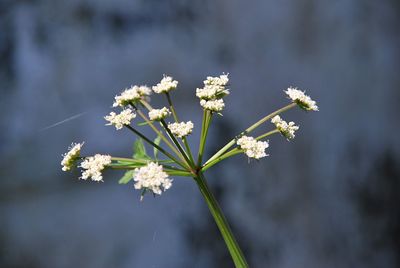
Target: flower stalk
(174,114)
(250,129)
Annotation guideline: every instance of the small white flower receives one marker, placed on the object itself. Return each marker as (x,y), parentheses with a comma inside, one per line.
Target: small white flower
(121,119)
(158,114)
(130,95)
(152,177)
(93,166)
(73,154)
(222,80)
(252,147)
(213,105)
(301,99)
(144,90)
(181,129)
(166,84)
(214,88)
(287,129)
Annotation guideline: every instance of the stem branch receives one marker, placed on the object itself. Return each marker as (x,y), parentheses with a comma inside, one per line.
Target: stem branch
(250,129)
(156,146)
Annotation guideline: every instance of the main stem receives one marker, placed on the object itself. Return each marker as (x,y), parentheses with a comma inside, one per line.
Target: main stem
(223,226)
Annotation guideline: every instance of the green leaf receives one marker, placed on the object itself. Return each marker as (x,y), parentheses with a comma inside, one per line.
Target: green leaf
(139,151)
(128,176)
(155,150)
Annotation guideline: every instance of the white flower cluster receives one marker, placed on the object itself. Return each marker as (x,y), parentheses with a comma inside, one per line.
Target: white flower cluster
(213,105)
(158,114)
(181,129)
(94,165)
(166,84)
(252,147)
(301,99)
(287,129)
(121,119)
(212,93)
(152,177)
(73,154)
(130,95)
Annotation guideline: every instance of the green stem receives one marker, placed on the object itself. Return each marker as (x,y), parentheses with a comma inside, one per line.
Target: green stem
(170,171)
(203,137)
(223,226)
(232,152)
(159,133)
(178,145)
(156,146)
(267,134)
(175,115)
(250,129)
(171,107)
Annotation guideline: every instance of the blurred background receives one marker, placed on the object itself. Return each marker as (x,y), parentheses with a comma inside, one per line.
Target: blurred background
(329,198)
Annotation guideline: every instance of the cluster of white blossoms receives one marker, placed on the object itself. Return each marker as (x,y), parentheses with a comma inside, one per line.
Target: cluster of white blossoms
(181,129)
(287,129)
(252,147)
(131,95)
(73,154)
(213,105)
(301,99)
(152,177)
(158,114)
(166,85)
(94,165)
(212,93)
(121,119)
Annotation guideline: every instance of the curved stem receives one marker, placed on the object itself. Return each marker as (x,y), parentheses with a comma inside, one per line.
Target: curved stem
(223,226)
(250,129)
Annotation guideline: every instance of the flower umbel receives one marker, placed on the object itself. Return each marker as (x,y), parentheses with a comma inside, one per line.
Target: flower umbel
(181,129)
(214,88)
(287,129)
(94,165)
(212,93)
(213,105)
(73,154)
(152,177)
(252,147)
(166,85)
(158,114)
(131,95)
(121,119)
(299,97)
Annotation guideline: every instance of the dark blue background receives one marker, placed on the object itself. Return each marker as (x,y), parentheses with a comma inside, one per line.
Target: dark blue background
(330,198)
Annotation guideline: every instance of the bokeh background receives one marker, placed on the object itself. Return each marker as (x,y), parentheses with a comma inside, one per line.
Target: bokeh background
(330,198)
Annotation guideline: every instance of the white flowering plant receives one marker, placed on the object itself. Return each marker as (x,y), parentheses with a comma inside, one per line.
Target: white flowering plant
(152,174)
